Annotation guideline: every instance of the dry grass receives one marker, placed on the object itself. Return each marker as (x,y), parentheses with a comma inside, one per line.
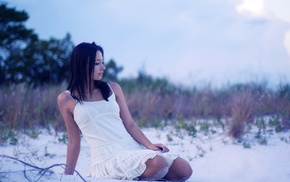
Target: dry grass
(25,108)
(242,109)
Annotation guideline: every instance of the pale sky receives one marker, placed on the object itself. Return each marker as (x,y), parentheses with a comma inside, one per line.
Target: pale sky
(187,41)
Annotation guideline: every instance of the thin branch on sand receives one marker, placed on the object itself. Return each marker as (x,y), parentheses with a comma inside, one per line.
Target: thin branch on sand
(41,171)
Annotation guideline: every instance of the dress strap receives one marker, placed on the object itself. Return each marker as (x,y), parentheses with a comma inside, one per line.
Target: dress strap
(113,94)
(69,94)
(111,88)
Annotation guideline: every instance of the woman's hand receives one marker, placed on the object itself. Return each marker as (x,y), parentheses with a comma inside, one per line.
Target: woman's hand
(159,147)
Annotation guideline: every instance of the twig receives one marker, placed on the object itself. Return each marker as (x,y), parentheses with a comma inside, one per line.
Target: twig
(42,171)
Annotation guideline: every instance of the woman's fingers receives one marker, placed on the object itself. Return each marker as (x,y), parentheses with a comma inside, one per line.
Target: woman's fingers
(162,147)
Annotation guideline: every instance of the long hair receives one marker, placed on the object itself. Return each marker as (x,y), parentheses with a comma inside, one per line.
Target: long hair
(82,63)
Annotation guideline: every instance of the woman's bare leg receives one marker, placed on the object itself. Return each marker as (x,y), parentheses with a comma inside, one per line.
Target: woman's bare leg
(179,170)
(156,168)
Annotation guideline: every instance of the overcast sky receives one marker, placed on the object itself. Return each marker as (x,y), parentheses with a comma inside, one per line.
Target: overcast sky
(187,41)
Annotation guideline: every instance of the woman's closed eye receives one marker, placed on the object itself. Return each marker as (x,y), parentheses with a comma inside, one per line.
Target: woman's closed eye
(99,62)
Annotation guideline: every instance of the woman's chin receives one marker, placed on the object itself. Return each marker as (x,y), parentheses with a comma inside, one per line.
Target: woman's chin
(98,79)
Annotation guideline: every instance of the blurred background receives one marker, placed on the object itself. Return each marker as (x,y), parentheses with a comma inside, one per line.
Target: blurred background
(187,42)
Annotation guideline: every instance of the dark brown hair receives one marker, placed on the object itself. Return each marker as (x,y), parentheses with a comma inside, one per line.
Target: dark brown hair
(82,64)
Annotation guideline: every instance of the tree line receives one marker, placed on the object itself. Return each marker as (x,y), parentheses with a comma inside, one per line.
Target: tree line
(25,58)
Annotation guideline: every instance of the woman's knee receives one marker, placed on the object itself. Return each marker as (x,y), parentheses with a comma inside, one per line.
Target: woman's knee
(157,162)
(156,168)
(187,168)
(186,171)
(180,169)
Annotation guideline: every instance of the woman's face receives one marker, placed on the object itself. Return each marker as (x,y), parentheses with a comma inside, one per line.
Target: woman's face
(99,66)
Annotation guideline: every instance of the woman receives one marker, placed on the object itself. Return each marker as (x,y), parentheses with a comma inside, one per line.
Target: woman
(98,110)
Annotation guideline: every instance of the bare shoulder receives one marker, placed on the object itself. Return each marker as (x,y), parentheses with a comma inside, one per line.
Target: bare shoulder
(63,97)
(64,100)
(116,87)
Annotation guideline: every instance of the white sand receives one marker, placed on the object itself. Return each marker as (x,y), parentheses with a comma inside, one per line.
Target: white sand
(213,157)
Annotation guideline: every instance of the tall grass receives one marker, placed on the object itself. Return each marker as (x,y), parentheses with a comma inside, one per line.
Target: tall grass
(239,104)
(24,108)
(242,111)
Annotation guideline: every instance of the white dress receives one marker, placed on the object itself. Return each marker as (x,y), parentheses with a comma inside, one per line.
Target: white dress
(114,153)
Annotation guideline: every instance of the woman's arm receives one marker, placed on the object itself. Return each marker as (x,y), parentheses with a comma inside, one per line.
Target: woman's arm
(129,123)
(66,105)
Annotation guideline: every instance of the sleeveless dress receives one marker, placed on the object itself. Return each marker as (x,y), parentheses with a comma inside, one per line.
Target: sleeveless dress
(114,152)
